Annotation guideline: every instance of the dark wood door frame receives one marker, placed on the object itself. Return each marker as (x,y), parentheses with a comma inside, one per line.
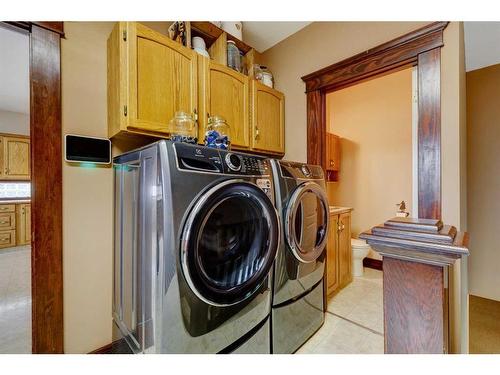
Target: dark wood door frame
(46,185)
(420,48)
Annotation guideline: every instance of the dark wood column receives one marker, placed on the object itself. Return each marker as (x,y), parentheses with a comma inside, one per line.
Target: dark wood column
(418,260)
(46,196)
(429,134)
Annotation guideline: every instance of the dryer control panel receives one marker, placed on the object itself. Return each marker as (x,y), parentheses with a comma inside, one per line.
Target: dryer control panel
(292,169)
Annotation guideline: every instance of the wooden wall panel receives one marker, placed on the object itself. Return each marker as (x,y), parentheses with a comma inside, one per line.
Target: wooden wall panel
(46,174)
(414,313)
(429,134)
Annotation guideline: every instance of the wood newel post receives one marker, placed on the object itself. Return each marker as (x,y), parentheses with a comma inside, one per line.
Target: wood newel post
(419,259)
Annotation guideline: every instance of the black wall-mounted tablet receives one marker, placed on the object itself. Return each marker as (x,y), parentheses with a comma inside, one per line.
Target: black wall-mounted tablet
(81,149)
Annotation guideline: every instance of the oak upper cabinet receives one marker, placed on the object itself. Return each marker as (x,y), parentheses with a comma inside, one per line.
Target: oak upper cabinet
(339,254)
(332,152)
(267,118)
(15,158)
(150,77)
(23,224)
(224,92)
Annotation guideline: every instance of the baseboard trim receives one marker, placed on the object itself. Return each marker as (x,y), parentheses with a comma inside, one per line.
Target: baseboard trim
(376,264)
(106,349)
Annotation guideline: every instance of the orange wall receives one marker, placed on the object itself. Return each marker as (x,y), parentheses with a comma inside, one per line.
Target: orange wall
(483,182)
(374,121)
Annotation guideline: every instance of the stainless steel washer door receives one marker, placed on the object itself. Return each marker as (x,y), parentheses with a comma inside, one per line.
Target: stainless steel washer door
(306,222)
(229,242)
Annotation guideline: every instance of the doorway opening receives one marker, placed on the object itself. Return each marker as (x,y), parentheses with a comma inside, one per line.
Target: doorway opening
(15,194)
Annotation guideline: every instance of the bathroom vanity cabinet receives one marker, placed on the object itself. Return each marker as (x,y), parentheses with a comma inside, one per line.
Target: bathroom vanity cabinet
(339,254)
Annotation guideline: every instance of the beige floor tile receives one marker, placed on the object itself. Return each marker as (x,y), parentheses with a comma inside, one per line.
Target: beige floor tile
(358,310)
(348,338)
(15,300)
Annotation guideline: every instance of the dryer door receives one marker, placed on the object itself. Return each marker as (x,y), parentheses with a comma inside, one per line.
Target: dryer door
(306,222)
(229,242)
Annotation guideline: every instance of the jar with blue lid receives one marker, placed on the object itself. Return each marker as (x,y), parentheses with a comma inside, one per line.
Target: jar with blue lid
(217,134)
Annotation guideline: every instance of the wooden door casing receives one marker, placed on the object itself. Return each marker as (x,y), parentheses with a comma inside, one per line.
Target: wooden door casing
(420,48)
(268,116)
(224,92)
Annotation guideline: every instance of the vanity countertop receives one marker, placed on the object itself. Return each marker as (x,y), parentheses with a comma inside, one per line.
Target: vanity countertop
(15,201)
(336,210)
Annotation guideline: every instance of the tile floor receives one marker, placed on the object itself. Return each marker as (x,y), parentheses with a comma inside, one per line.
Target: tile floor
(354,320)
(15,300)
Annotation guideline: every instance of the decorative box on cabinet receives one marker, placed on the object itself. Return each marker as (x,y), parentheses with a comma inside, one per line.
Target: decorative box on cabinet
(150,77)
(339,254)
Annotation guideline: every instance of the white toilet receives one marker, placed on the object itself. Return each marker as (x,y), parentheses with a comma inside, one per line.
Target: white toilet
(360,250)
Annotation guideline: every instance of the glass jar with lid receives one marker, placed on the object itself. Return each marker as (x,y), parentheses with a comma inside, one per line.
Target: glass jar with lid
(233,56)
(217,134)
(182,128)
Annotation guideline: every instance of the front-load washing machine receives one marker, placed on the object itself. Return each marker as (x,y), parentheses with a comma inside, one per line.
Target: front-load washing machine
(196,235)
(298,296)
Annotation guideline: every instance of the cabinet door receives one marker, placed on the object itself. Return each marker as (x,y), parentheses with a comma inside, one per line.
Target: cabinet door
(16,158)
(332,270)
(268,119)
(332,152)
(162,79)
(224,92)
(345,253)
(23,224)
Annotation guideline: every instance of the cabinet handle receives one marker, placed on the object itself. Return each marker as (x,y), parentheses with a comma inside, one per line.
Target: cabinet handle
(332,163)
(3,222)
(256,132)
(4,208)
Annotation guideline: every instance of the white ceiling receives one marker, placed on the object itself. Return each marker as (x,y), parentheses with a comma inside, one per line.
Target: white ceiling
(482,44)
(14,71)
(264,35)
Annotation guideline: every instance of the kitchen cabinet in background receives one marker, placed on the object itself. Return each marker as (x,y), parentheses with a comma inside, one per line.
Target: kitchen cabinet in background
(23,224)
(339,253)
(15,157)
(15,224)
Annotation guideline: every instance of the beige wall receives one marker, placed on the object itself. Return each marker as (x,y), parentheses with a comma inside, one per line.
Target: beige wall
(323,43)
(483,145)
(374,121)
(87,192)
(14,122)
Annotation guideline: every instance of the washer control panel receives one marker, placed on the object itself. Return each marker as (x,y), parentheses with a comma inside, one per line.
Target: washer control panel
(243,164)
(204,159)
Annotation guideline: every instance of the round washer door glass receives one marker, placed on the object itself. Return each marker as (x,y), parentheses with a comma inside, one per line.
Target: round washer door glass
(229,242)
(306,222)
